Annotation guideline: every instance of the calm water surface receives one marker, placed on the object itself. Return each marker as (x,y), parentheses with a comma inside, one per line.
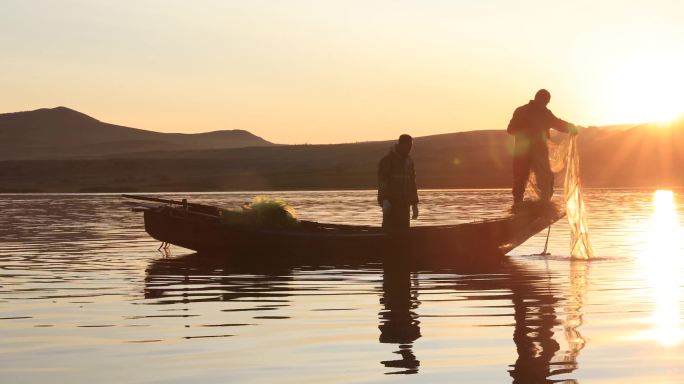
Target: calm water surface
(84,295)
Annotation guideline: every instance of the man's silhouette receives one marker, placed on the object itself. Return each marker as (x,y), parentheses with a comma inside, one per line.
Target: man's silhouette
(397,185)
(530,125)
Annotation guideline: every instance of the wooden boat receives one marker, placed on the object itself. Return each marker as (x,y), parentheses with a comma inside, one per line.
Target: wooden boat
(199,227)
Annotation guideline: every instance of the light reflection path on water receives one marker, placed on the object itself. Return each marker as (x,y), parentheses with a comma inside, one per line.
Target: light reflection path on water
(662,266)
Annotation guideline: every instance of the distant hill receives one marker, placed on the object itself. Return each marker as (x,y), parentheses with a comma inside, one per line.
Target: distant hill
(616,156)
(450,161)
(640,156)
(64,133)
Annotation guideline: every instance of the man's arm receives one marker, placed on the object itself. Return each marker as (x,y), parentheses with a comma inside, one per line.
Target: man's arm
(383,180)
(560,124)
(413,191)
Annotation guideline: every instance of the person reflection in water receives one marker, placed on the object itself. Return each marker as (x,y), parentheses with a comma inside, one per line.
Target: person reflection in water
(535,319)
(535,302)
(530,125)
(397,186)
(398,322)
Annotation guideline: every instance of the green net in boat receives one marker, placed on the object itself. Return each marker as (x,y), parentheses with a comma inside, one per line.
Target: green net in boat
(262,212)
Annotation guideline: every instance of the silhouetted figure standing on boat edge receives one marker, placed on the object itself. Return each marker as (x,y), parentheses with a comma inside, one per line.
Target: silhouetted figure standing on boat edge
(530,125)
(397,186)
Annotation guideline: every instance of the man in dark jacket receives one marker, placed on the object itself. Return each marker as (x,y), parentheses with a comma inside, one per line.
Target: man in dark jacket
(530,125)
(397,185)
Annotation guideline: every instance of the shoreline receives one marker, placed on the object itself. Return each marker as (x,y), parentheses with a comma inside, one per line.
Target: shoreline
(274,191)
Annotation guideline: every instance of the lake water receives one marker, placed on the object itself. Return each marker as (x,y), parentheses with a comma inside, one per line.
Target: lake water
(86,297)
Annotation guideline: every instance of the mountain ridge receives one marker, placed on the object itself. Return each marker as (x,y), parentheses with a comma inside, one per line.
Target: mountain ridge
(61,132)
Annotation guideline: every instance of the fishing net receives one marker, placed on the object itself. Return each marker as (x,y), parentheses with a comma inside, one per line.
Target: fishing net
(580,247)
(262,212)
(563,154)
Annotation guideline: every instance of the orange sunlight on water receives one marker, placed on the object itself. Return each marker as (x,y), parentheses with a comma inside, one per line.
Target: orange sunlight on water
(661,261)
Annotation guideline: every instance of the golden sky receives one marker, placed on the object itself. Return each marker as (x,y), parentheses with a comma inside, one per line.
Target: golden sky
(325,71)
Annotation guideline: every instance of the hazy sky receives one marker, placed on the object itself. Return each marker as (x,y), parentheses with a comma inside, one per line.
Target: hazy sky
(324,71)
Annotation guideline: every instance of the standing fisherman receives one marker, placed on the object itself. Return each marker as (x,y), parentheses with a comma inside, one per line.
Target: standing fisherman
(397,186)
(530,125)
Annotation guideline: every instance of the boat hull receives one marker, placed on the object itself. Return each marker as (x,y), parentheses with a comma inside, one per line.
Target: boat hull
(318,242)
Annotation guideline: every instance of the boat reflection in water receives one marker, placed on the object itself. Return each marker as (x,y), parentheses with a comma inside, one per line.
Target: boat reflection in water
(534,301)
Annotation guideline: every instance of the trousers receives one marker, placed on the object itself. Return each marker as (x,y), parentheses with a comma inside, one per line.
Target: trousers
(534,158)
(398,217)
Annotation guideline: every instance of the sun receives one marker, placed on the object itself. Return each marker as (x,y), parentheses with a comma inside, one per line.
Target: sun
(646,89)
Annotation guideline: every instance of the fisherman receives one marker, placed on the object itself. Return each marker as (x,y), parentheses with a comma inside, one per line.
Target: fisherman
(397,186)
(530,125)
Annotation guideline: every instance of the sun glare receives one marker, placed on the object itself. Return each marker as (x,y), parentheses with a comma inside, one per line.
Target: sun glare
(646,89)
(662,267)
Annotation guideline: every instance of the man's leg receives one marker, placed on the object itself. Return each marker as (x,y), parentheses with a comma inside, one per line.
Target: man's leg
(521,172)
(386,220)
(404,219)
(397,218)
(542,170)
